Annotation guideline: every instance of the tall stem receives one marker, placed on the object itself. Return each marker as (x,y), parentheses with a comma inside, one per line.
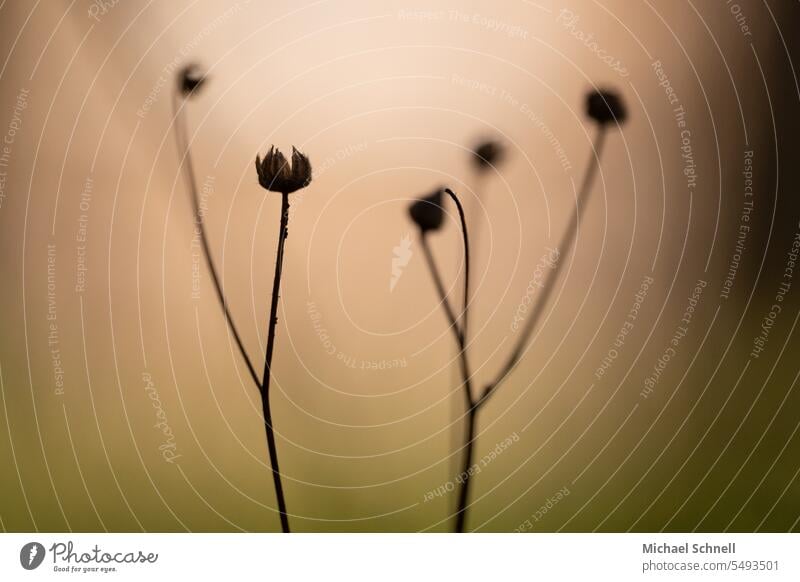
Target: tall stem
(565,246)
(461,339)
(474,405)
(462,217)
(463,368)
(469,420)
(273,319)
(182,139)
(474,224)
(463,358)
(463,493)
(455,411)
(440,290)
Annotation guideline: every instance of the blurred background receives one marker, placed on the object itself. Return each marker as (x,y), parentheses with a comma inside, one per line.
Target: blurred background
(659,391)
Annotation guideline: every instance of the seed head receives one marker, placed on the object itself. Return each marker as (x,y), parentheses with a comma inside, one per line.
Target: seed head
(427,212)
(605,107)
(487,154)
(190,78)
(277,175)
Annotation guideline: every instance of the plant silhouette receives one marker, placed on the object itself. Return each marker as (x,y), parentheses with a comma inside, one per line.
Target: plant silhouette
(605,108)
(275,174)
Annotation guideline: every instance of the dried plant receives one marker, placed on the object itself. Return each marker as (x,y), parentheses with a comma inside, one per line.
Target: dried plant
(277,175)
(487,154)
(190,79)
(428,215)
(274,174)
(605,108)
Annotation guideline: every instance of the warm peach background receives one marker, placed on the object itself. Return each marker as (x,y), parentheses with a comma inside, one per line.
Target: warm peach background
(386,98)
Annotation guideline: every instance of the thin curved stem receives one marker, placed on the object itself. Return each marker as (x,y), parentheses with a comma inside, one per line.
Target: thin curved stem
(456,413)
(469,437)
(462,354)
(459,332)
(182,139)
(461,339)
(565,246)
(273,320)
(465,311)
(440,290)
(469,448)
(473,223)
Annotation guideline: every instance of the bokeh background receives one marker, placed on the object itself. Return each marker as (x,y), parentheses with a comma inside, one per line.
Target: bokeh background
(110,325)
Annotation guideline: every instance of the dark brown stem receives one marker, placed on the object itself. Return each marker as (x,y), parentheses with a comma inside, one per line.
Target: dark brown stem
(182,139)
(474,223)
(273,319)
(451,319)
(469,437)
(567,240)
(440,290)
(465,311)
(464,477)
(461,339)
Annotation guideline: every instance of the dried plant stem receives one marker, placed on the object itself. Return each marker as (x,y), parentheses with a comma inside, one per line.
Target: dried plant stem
(460,333)
(474,225)
(273,319)
(462,353)
(440,290)
(463,492)
(462,217)
(469,437)
(474,229)
(567,240)
(565,246)
(182,139)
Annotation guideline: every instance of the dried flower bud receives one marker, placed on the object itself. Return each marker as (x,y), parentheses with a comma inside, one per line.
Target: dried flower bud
(606,107)
(487,154)
(190,78)
(427,212)
(277,175)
